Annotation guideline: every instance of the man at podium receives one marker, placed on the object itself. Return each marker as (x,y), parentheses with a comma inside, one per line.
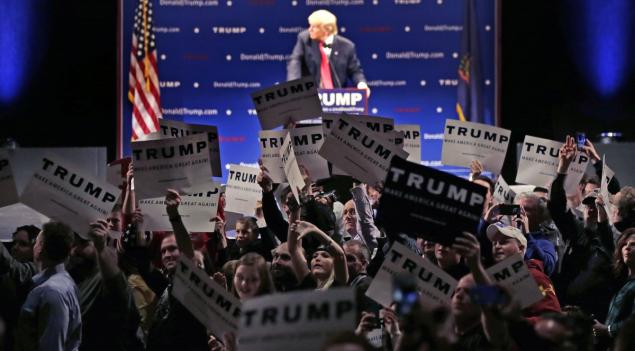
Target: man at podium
(328,57)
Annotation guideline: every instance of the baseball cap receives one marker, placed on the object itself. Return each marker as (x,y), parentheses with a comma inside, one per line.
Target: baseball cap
(507,230)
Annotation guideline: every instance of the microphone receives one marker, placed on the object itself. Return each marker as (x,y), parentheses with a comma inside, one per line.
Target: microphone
(334,74)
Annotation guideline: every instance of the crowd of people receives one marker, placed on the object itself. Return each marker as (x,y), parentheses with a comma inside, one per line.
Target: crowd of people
(62,290)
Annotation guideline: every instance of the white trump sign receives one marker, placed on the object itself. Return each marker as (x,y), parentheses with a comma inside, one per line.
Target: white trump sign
(464,142)
(360,152)
(539,164)
(175,129)
(243,192)
(287,102)
(502,192)
(67,193)
(209,302)
(412,140)
(435,286)
(285,321)
(307,142)
(513,274)
(291,168)
(178,164)
(196,210)
(270,144)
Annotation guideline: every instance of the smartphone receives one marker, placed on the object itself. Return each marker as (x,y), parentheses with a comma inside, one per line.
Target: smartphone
(511,210)
(487,295)
(405,293)
(580,140)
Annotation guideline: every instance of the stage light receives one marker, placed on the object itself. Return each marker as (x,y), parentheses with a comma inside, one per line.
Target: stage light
(15,35)
(610,137)
(606,30)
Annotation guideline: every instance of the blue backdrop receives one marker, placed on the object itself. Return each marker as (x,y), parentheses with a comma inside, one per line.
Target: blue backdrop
(213,53)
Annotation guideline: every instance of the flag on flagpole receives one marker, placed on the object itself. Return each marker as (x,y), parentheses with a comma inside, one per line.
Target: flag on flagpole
(143,90)
(469,106)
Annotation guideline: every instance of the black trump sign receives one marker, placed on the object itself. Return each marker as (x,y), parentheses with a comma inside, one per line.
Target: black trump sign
(424,202)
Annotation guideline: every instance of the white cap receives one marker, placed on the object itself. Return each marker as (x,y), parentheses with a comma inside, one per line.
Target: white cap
(506,230)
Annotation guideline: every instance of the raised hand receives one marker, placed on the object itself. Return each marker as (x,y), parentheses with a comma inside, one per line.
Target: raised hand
(590,151)
(220,279)
(391,322)
(130,174)
(137,218)
(172,202)
(98,233)
(264,179)
(566,154)
(522,221)
(366,323)
(467,245)
(304,227)
(476,168)
(493,214)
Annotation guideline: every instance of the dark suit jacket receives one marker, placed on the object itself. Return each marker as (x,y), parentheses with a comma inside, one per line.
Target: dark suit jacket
(306,58)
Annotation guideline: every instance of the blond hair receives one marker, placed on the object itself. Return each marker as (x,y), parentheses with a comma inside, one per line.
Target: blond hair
(325,19)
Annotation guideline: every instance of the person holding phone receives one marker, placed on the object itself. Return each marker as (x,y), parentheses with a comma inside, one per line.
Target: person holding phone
(538,245)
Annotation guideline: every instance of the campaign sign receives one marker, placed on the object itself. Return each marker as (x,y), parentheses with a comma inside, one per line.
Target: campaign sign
(8,190)
(435,285)
(353,101)
(502,192)
(196,210)
(291,169)
(464,142)
(175,129)
(209,302)
(539,164)
(412,140)
(575,173)
(177,164)
(513,274)
(270,144)
(243,192)
(307,142)
(287,102)
(374,123)
(607,175)
(285,321)
(425,202)
(67,193)
(360,152)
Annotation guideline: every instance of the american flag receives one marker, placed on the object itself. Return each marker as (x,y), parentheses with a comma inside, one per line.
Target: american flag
(143,91)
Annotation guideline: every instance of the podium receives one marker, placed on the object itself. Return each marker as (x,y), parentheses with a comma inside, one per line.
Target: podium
(351,101)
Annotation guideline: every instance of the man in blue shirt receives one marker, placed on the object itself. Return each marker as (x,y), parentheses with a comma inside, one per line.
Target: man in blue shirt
(50,319)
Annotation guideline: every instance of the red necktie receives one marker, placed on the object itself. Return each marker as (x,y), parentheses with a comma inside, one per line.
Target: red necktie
(325,70)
